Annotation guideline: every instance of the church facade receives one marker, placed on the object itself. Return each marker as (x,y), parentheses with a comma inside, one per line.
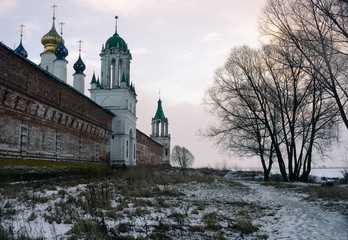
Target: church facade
(42,117)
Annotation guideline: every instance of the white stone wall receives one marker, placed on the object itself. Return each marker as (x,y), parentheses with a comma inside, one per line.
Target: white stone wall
(47,63)
(79,82)
(60,69)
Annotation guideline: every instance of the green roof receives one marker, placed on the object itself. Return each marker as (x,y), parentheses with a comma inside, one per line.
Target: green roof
(159,113)
(116,41)
(94,80)
(98,83)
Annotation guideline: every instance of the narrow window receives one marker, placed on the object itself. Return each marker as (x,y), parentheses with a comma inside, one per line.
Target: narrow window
(134,151)
(127,148)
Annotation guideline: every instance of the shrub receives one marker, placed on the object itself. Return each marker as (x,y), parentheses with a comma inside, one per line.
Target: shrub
(87,229)
(178,217)
(245,226)
(211,220)
(345,175)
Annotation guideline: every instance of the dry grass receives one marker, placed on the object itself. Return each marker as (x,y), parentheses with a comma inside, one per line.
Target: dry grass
(332,193)
(211,221)
(42,163)
(149,200)
(245,226)
(279,184)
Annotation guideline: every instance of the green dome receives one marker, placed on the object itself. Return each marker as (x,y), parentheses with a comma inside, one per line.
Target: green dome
(116,41)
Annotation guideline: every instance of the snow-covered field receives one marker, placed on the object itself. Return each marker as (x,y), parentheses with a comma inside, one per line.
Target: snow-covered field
(167,204)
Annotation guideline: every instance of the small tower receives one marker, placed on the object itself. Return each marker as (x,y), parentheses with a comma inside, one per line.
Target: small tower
(20,49)
(160,131)
(60,63)
(94,83)
(79,76)
(50,41)
(115,93)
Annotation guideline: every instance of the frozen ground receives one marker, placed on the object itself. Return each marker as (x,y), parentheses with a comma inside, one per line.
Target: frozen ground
(297,219)
(168,205)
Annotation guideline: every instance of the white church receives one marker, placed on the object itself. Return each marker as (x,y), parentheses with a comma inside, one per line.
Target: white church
(114,91)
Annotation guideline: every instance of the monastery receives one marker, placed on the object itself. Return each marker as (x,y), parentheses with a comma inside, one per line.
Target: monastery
(43,117)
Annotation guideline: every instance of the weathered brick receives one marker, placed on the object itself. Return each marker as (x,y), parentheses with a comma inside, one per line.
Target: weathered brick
(38,115)
(148,151)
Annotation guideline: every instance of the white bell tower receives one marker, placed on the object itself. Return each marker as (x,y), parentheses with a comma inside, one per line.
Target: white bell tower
(117,94)
(160,132)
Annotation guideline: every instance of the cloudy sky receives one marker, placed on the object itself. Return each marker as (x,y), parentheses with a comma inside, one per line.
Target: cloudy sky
(176,47)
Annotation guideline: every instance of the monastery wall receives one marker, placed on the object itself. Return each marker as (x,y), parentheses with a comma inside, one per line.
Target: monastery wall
(42,117)
(148,151)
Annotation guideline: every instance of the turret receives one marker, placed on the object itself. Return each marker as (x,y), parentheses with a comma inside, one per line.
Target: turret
(60,63)
(50,41)
(115,57)
(93,82)
(20,49)
(160,133)
(79,76)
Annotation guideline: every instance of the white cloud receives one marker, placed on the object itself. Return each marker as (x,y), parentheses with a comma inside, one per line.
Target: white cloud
(212,37)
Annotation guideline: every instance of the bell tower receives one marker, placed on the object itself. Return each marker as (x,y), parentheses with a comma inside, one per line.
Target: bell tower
(116,93)
(160,131)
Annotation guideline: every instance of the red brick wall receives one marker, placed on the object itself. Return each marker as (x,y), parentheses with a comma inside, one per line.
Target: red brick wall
(149,152)
(42,117)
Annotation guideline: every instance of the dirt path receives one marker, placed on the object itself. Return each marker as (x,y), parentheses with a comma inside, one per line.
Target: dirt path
(296,218)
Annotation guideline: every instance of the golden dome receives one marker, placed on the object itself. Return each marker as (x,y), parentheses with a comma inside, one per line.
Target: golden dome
(50,40)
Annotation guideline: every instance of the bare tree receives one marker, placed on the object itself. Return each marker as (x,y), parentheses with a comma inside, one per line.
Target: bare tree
(236,98)
(319,30)
(270,105)
(182,157)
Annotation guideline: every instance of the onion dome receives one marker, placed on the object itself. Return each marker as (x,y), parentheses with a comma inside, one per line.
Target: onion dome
(79,66)
(116,42)
(61,51)
(21,50)
(51,39)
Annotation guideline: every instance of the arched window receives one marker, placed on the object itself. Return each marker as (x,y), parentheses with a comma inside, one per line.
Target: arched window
(113,73)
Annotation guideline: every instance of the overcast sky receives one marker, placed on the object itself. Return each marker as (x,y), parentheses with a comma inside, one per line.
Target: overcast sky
(176,47)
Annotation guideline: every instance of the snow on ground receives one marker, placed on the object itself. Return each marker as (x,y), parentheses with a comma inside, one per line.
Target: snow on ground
(193,209)
(295,218)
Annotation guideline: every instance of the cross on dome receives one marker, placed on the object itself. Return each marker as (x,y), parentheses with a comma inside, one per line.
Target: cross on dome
(116,17)
(22,26)
(61,28)
(54,12)
(80,43)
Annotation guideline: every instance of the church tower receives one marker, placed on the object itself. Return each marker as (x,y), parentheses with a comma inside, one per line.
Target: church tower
(116,93)
(50,41)
(160,131)
(60,63)
(79,76)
